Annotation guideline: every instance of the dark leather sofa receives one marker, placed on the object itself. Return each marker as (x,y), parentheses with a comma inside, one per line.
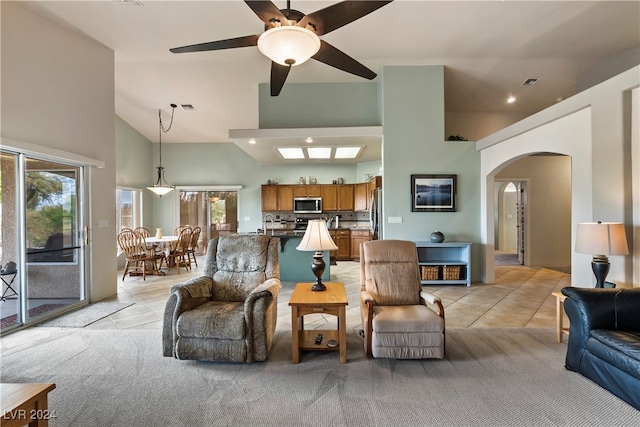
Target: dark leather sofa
(604,338)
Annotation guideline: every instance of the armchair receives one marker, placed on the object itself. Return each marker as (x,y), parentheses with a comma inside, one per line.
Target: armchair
(396,320)
(229,313)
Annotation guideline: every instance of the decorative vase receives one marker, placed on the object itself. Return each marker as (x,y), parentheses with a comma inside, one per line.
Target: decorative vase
(158,233)
(437,237)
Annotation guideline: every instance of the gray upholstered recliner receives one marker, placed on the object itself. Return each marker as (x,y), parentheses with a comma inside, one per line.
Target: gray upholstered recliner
(396,320)
(228,314)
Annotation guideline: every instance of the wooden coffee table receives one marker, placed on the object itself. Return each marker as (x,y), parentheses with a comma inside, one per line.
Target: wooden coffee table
(305,301)
(25,404)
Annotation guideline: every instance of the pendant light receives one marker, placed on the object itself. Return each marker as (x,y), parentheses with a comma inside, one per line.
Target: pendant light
(161,187)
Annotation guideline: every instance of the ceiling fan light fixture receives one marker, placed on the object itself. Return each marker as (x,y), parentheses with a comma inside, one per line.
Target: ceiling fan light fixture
(289,45)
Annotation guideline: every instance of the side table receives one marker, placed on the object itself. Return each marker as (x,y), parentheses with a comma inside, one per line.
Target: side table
(305,301)
(560,297)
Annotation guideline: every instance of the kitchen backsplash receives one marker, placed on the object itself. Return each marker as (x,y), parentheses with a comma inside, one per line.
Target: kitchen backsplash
(285,220)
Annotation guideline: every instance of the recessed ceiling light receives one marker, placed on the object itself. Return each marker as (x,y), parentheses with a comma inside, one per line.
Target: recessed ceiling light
(511,99)
(319,152)
(309,140)
(252,141)
(291,153)
(347,152)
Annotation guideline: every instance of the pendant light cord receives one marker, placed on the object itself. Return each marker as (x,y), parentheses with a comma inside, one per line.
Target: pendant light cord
(162,129)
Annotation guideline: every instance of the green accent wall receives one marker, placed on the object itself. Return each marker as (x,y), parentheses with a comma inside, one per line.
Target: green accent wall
(413,120)
(308,105)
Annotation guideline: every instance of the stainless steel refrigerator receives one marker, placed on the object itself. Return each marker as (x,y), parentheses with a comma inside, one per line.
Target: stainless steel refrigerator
(376,220)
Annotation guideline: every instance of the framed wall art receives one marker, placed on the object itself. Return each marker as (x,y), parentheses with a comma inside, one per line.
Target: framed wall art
(433,193)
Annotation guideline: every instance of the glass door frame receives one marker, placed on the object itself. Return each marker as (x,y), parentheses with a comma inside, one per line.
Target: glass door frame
(23,152)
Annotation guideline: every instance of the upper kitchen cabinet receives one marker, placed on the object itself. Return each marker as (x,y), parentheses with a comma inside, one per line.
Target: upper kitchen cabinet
(277,197)
(308,190)
(269,198)
(345,197)
(337,197)
(361,196)
(329,198)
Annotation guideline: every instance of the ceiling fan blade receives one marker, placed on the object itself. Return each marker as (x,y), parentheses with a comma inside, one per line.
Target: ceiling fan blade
(340,14)
(220,44)
(279,74)
(267,12)
(338,59)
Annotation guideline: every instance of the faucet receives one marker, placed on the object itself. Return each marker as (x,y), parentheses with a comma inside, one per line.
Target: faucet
(264,223)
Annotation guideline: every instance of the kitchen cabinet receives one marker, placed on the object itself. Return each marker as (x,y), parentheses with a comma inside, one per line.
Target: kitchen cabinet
(329,194)
(357,237)
(307,190)
(269,198)
(277,198)
(361,197)
(337,197)
(345,197)
(342,239)
(285,197)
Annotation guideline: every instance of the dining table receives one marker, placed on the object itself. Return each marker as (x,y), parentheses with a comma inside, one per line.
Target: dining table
(165,243)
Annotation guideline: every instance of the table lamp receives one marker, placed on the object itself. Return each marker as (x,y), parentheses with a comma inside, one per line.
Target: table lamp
(601,239)
(317,238)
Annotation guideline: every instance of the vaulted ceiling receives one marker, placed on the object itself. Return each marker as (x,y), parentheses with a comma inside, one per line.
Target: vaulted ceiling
(489,48)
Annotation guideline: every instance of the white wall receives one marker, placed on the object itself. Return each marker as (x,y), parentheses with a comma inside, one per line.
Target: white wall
(63,99)
(594,127)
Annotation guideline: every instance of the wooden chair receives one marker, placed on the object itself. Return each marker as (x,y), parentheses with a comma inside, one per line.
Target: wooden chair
(178,257)
(144,231)
(193,245)
(396,318)
(137,255)
(178,229)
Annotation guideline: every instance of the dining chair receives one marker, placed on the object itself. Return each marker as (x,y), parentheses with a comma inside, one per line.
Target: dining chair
(178,229)
(137,254)
(193,245)
(178,256)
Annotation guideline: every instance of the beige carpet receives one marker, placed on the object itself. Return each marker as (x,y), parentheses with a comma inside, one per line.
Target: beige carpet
(489,377)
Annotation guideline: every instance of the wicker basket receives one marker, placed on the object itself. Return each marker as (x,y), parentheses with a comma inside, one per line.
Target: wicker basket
(451,272)
(430,272)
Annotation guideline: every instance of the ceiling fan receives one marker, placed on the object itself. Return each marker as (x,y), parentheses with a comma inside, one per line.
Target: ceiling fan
(291,37)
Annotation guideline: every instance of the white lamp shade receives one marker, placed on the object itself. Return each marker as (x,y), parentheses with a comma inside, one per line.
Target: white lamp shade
(288,45)
(316,237)
(160,190)
(601,238)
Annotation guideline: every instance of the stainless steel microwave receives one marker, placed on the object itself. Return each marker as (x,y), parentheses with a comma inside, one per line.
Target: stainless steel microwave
(307,205)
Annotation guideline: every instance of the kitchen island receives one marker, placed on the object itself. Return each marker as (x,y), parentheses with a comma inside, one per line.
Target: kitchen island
(295,265)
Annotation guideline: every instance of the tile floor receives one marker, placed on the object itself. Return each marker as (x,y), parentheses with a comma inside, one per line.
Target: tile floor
(521,297)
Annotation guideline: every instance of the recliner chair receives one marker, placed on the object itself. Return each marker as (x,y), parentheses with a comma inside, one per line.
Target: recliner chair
(229,313)
(396,320)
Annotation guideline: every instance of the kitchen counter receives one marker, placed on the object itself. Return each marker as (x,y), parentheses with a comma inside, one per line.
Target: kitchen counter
(295,265)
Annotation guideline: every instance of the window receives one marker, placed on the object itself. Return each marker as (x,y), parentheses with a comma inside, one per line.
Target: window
(128,208)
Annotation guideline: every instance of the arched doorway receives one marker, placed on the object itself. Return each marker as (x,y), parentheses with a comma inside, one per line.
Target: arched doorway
(517,158)
(510,222)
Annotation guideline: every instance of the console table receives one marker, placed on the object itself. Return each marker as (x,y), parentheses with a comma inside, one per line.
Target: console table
(446,263)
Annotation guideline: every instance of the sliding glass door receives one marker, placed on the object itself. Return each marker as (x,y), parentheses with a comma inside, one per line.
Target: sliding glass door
(215,212)
(42,235)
